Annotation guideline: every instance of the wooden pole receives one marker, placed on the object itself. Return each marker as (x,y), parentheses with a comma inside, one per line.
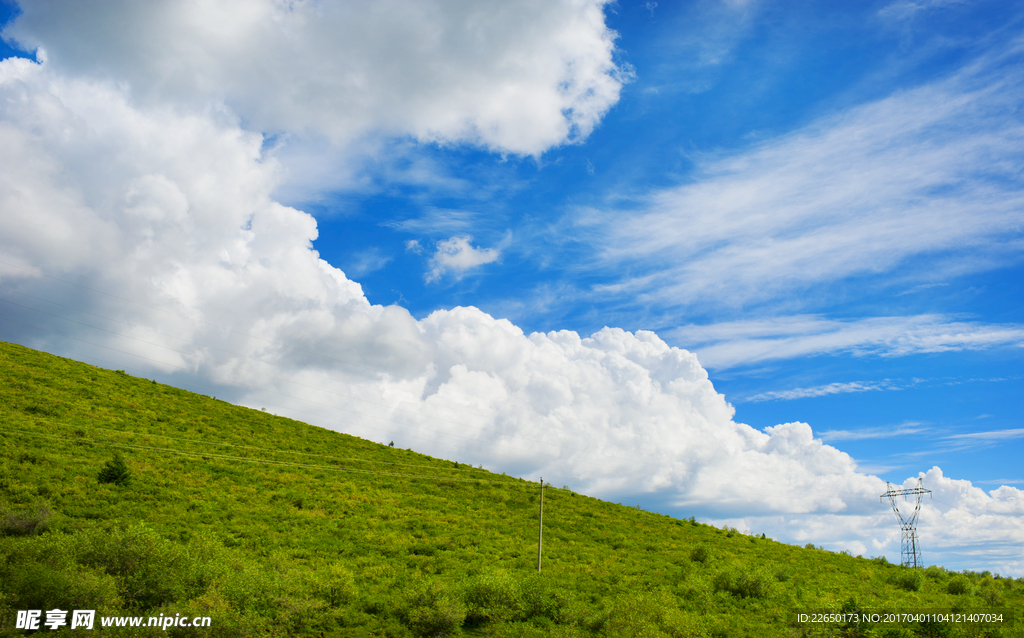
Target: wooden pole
(540,523)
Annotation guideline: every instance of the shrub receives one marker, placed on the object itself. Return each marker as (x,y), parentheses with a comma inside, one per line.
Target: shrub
(41,573)
(493,596)
(935,572)
(701,554)
(45,587)
(650,614)
(25,522)
(909,579)
(751,583)
(539,600)
(991,596)
(435,610)
(115,471)
(336,586)
(149,569)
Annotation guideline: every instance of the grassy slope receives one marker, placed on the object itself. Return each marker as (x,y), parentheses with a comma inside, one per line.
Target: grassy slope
(274,526)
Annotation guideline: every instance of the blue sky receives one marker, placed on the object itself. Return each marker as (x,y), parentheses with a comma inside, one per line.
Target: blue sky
(495,232)
(714,82)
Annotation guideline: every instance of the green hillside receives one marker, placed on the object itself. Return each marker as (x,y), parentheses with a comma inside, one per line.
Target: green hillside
(274,527)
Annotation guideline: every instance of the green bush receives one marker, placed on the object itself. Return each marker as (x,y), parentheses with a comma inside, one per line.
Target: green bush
(115,471)
(335,585)
(25,521)
(959,585)
(935,572)
(435,610)
(654,614)
(540,600)
(493,597)
(909,579)
(701,554)
(41,573)
(749,583)
(149,569)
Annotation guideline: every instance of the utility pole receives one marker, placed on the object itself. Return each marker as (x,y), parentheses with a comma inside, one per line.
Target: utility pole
(540,523)
(910,548)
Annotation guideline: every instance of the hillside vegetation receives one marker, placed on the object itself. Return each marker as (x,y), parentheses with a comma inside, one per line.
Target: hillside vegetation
(275,527)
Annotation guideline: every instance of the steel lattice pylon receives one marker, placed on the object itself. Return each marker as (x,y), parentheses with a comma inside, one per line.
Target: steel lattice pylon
(910,548)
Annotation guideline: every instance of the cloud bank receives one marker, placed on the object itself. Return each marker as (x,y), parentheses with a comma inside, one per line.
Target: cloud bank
(139,229)
(512,77)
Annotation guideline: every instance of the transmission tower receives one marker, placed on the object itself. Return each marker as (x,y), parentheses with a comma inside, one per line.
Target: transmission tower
(910,549)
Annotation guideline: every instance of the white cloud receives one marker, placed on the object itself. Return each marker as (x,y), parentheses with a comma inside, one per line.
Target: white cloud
(457,256)
(735,343)
(156,224)
(924,184)
(366,261)
(821,390)
(907,9)
(437,220)
(513,77)
(992,435)
(872,433)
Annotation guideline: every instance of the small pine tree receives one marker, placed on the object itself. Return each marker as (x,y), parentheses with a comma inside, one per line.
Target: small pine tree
(115,471)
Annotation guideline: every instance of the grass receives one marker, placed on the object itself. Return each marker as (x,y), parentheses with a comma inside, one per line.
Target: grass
(271,526)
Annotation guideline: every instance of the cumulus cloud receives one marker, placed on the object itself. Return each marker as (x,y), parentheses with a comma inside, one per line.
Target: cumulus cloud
(513,77)
(457,256)
(144,235)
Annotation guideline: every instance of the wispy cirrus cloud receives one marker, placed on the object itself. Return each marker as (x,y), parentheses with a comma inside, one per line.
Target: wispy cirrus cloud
(991,435)
(366,261)
(737,343)
(822,390)
(902,429)
(437,220)
(912,184)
